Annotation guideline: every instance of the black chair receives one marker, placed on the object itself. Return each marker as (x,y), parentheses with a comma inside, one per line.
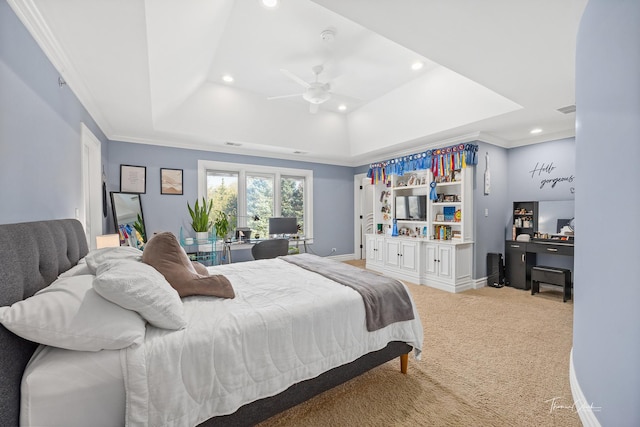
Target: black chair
(270,248)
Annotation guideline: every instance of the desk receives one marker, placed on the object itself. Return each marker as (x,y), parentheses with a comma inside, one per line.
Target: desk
(520,257)
(247,244)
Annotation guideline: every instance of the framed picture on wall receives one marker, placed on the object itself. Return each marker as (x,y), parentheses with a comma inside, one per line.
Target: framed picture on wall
(133,179)
(170,181)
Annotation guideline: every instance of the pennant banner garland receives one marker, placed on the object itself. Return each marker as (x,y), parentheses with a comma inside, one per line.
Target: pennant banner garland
(440,161)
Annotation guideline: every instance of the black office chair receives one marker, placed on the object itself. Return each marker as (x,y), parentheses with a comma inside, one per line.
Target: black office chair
(270,248)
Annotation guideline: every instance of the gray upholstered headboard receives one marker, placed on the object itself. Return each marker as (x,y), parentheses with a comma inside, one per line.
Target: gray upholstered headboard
(32,255)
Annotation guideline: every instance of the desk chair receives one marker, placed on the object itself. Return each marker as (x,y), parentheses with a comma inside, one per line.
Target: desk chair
(270,248)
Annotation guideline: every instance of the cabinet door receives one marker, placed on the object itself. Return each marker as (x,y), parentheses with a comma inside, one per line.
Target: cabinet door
(431,259)
(445,261)
(371,248)
(379,251)
(392,252)
(516,265)
(408,256)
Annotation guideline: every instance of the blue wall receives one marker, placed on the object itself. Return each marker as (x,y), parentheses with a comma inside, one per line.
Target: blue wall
(40,144)
(534,168)
(489,229)
(606,334)
(332,190)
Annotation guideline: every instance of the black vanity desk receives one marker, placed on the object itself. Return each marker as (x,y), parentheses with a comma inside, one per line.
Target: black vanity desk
(520,257)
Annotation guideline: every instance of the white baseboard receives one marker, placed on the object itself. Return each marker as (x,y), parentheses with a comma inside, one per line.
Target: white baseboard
(585,411)
(345,257)
(479,283)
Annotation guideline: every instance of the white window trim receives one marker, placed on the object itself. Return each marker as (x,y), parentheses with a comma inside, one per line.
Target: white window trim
(243,168)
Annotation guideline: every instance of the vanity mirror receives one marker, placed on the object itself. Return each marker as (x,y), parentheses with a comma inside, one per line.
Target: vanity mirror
(127,214)
(554,215)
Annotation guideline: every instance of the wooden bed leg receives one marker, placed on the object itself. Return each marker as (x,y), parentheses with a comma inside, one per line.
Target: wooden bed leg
(404,362)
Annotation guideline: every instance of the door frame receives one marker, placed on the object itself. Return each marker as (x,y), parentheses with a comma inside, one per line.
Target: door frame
(91,160)
(358,235)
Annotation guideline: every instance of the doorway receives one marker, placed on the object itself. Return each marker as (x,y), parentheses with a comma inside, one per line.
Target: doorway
(363,213)
(91,158)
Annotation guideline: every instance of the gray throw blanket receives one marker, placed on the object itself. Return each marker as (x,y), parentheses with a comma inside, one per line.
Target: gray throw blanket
(385,300)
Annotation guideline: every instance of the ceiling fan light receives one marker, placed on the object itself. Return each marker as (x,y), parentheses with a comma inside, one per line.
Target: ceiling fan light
(270,4)
(316,95)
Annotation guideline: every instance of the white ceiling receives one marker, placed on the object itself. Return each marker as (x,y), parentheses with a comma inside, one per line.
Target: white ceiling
(150,71)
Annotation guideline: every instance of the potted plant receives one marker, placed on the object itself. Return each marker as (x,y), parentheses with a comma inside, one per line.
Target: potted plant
(221,225)
(201,219)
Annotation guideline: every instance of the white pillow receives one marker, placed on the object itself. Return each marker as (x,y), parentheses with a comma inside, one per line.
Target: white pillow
(140,287)
(97,257)
(79,269)
(70,314)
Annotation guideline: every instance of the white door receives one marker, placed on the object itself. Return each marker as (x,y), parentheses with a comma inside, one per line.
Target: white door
(91,158)
(363,210)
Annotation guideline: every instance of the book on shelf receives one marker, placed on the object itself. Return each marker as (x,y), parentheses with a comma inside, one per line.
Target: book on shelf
(449,212)
(442,232)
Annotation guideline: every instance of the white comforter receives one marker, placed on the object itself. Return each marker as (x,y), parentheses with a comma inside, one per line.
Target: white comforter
(285,325)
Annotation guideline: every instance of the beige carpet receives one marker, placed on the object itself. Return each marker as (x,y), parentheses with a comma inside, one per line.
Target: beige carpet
(492,357)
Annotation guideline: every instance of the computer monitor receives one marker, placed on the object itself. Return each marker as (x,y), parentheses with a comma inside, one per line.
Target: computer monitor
(283,225)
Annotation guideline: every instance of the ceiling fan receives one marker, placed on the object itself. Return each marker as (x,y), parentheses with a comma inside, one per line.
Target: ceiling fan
(316,92)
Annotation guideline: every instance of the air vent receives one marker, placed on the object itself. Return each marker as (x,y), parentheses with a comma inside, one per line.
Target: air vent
(233,144)
(568,109)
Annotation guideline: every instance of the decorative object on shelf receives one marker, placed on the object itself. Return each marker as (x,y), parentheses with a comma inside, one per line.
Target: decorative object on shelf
(433,195)
(394,231)
(171,181)
(457,217)
(441,161)
(133,179)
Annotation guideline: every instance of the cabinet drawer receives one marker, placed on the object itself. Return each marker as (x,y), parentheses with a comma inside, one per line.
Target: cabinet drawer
(544,248)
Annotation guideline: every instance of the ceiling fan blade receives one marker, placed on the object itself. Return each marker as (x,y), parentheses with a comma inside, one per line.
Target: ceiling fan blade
(283,96)
(313,108)
(294,78)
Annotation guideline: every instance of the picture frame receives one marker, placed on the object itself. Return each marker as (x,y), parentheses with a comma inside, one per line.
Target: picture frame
(133,179)
(171,181)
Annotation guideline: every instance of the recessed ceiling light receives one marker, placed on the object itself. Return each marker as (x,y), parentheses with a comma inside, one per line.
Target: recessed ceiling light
(342,107)
(227,78)
(535,131)
(417,65)
(270,4)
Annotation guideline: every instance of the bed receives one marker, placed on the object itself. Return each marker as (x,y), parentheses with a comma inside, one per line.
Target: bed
(35,254)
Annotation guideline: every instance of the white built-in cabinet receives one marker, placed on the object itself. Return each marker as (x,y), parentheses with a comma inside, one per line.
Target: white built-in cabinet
(419,254)
(448,266)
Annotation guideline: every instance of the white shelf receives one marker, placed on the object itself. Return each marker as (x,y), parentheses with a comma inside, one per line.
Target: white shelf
(445,184)
(447,203)
(447,223)
(409,187)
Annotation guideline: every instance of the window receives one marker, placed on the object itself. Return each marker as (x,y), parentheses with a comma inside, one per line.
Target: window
(250,194)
